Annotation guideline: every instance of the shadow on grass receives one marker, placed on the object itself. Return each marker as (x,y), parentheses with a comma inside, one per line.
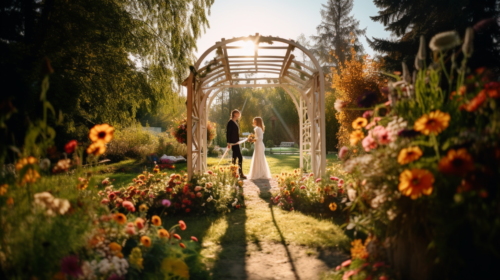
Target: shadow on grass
(230,262)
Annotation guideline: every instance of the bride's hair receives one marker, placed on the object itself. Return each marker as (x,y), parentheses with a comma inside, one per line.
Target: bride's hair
(260,123)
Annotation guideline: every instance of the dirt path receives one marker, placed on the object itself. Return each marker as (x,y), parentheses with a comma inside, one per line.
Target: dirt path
(270,260)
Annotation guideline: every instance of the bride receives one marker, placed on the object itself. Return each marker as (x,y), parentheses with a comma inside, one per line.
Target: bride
(259,169)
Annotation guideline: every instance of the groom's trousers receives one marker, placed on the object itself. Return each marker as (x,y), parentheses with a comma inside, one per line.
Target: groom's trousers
(237,155)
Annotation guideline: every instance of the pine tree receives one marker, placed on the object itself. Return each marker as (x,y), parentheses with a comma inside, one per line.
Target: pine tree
(333,41)
(410,19)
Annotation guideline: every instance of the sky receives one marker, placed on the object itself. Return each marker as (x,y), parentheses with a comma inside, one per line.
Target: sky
(283,18)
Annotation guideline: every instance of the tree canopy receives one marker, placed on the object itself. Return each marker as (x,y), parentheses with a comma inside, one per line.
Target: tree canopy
(114,61)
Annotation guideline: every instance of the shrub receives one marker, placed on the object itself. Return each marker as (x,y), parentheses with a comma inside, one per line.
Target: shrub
(269,143)
(247,152)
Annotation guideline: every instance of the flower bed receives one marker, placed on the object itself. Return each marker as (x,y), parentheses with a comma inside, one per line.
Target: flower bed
(216,191)
(307,194)
(426,172)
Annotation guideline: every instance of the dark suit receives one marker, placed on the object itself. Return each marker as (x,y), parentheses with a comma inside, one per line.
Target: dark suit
(233,136)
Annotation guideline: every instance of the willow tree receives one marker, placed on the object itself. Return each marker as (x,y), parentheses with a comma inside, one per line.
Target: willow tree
(337,27)
(113,60)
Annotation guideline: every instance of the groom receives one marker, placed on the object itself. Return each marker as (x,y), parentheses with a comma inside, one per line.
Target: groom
(233,136)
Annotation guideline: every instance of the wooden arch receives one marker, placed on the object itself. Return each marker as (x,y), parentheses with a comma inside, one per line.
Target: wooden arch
(304,82)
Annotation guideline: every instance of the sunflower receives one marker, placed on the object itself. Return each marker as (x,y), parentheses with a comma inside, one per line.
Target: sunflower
(96,149)
(434,123)
(457,162)
(120,218)
(408,155)
(359,123)
(177,267)
(356,136)
(156,221)
(333,206)
(143,208)
(146,241)
(163,233)
(416,182)
(101,133)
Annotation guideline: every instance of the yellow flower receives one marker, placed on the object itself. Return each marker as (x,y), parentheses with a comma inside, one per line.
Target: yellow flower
(415,182)
(356,136)
(359,123)
(156,220)
(3,189)
(358,250)
(434,123)
(176,267)
(143,208)
(96,148)
(408,155)
(333,206)
(115,246)
(101,133)
(457,162)
(146,241)
(135,258)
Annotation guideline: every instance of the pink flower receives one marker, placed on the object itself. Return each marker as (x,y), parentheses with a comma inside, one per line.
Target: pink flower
(318,180)
(130,229)
(346,263)
(139,223)
(333,178)
(381,135)
(340,185)
(369,143)
(129,205)
(197,189)
(367,114)
(341,181)
(343,152)
(378,264)
(302,187)
(198,194)
(104,201)
(387,103)
(312,174)
(338,268)
(348,274)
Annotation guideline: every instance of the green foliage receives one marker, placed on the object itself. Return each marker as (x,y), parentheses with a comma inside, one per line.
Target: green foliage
(270,144)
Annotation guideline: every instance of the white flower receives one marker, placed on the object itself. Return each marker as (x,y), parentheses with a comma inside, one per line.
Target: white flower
(351,193)
(468,45)
(391,214)
(340,105)
(210,199)
(444,41)
(378,200)
(45,164)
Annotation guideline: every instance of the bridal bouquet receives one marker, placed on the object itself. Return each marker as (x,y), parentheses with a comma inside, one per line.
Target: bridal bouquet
(251,138)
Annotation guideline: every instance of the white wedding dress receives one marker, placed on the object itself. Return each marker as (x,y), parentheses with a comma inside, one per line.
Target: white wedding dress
(259,169)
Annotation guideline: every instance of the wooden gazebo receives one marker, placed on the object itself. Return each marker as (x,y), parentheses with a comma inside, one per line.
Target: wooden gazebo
(265,62)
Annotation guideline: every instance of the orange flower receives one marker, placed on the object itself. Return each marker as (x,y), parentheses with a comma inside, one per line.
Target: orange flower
(182,225)
(177,236)
(101,133)
(333,206)
(475,102)
(10,201)
(96,149)
(146,241)
(408,155)
(163,233)
(3,189)
(358,250)
(31,175)
(415,182)
(434,123)
(115,246)
(457,162)
(182,245)
(356,136)
(156,221)
(120,218)
(359,123)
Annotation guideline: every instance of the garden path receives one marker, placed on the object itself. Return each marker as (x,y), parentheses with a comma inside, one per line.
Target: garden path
(264,259)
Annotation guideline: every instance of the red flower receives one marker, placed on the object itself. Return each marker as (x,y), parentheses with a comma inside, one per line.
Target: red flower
(70,146)
(346,263)
(182,225)
(177,236)
(188,210)
(194,239)
(493,89)
(182,245)
(475,102)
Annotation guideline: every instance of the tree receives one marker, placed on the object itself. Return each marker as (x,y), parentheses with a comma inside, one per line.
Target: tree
(114,61)
(408,20)
(333,41)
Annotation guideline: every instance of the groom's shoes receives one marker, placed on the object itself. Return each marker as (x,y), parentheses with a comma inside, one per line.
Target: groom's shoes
(243,176)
